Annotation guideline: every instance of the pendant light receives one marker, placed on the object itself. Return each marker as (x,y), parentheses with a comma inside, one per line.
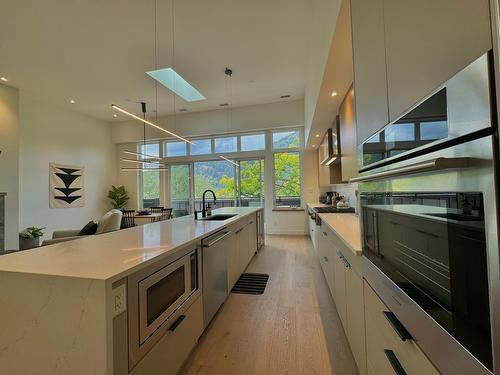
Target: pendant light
(229,73)
(159,166)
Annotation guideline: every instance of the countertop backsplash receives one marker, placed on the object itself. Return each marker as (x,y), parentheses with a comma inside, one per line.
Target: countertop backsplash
(349,191)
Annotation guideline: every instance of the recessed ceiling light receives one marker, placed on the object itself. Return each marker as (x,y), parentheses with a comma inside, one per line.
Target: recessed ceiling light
(284,96)
(223,104)
(115,115)
(334,93)
(314,146)
(72,101)
(317,135)
(182,110)
(169,78)
(4,79)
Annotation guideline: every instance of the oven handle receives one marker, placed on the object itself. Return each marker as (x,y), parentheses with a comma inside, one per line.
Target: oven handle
(393,360)
(426,166)
(220,238)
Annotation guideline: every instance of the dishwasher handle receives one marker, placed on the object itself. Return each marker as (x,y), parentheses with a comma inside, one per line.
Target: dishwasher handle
(220,238)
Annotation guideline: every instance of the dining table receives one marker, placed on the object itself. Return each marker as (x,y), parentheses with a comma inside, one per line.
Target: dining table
(148,218)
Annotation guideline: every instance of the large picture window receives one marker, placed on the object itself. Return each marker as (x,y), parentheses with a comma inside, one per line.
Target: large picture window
(287,182)
(150,179)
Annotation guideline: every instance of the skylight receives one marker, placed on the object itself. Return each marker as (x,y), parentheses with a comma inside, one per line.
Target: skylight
(169,78)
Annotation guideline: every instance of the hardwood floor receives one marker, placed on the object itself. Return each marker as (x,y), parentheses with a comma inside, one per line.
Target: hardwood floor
(293,328)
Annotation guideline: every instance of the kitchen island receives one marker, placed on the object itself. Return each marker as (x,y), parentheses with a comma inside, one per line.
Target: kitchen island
(65,307)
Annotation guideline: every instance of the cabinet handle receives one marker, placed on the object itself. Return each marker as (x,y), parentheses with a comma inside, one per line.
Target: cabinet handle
(397,326)
(427,233)
(177,322)
(325,234)
(326,259)
(393,360)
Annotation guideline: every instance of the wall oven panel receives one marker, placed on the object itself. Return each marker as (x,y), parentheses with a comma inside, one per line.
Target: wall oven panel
(430,248)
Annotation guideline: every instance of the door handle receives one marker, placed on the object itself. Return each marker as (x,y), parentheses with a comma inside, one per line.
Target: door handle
(176,324)
(397,326)
(393,360)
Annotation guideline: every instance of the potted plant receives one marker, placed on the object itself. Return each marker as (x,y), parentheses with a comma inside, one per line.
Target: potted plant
(118,196)
(30,238)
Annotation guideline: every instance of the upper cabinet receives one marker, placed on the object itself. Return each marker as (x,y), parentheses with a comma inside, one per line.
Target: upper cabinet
(429,41)
(370,79)
(403,50)
(347,117)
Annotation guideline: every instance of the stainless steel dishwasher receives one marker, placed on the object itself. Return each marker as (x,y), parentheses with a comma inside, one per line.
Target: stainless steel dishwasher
(214,255)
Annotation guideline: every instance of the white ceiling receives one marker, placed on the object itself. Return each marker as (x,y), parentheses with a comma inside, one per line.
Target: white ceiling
(97,52)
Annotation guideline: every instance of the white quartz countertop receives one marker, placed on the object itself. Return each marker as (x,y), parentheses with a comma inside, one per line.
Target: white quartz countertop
(117,254)
(347,227)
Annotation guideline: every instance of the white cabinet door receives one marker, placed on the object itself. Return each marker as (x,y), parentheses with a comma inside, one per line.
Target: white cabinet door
(370,80)
(356,318)
(233,261)
(340,289)
(427,42)
(243,245)
(252,237)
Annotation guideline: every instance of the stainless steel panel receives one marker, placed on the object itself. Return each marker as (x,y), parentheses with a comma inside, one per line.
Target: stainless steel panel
(449,356)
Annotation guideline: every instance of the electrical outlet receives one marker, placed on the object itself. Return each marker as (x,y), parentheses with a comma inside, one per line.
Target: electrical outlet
(119,299)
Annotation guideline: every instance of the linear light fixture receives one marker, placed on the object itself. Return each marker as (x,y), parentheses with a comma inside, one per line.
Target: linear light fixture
(172,80)
(142,155)
(118,108)
(144,169)
(226,159)
(142,162)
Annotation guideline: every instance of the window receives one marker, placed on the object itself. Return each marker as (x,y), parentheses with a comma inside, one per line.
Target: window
(287,187)
(226,144)
(201,147)
(432,130)
(216,175)
(400,132)
(286,139)
(150,179)
(253,142)
(175,149)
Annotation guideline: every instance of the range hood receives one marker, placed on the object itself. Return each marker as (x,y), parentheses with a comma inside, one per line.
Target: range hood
(329,149)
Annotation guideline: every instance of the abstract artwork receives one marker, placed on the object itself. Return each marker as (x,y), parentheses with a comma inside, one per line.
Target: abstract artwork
(66,188)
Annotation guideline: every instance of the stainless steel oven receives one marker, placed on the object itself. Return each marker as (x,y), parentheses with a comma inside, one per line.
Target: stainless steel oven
(155,294)
(430,234)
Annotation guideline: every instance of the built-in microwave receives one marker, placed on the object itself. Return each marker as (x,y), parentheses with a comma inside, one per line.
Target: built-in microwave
(430,225)
(155,294)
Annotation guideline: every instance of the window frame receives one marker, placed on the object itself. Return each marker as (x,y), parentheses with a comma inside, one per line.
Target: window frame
(140,179)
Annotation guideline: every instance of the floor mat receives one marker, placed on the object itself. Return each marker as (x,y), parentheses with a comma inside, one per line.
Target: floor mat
(251,283)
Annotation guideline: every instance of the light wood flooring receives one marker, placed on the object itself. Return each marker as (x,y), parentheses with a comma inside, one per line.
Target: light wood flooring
(293,328)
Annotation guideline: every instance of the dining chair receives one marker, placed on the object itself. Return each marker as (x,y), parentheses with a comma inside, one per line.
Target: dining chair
(166,214)
(128,219)
(155,210)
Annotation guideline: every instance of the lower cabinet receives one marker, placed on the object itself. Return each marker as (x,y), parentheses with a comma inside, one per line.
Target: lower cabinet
(168,355)
(342,270)
(242,247)
(386,350)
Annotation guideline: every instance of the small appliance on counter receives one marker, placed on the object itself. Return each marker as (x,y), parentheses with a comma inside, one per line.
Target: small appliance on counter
(330,195)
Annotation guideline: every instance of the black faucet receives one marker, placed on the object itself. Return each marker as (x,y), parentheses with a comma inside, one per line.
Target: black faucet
(204,209)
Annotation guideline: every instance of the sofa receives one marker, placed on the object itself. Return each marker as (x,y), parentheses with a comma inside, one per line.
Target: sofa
(110,222)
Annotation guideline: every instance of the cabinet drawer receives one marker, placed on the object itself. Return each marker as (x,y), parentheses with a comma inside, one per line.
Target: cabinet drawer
(173,349)
(380,336)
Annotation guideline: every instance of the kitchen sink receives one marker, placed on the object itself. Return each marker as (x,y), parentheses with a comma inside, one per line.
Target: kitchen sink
(219,217)
(457,217)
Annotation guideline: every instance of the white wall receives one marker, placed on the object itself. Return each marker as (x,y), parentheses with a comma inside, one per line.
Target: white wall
(9,178)
(255,117)
(52,134)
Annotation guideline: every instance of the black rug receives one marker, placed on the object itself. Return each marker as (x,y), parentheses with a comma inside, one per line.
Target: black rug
(251,283)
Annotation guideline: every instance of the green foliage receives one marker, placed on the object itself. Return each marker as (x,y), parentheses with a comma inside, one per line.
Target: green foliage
(287,174)
(118,196)
(32,232)
(151,184)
